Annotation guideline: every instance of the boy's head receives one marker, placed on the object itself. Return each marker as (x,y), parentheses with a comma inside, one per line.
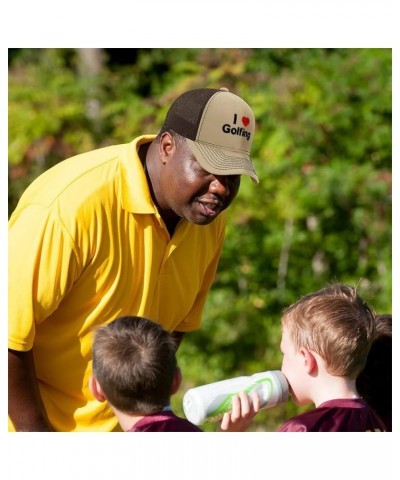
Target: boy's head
(134,365)
(334,325)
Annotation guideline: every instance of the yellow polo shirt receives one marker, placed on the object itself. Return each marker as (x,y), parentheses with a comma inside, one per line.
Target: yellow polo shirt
(86,245)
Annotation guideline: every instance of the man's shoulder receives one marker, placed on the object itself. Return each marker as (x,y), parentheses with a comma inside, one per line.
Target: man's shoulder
(75,178)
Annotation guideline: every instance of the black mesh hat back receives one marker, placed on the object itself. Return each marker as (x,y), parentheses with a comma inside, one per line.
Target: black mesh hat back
(185,113)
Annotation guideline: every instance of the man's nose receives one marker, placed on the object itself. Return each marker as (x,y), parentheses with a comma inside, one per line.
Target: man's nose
(220,186)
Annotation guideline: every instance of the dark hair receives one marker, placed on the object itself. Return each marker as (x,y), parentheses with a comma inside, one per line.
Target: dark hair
(336,323)
(134,362)
(374,383)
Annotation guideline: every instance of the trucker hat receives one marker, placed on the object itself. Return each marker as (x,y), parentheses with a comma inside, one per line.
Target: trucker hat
(219,128)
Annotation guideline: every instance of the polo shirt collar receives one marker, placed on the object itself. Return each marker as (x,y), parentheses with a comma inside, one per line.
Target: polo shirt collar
(136,197)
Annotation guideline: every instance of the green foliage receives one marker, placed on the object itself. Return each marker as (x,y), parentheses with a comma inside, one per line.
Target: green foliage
(322,151)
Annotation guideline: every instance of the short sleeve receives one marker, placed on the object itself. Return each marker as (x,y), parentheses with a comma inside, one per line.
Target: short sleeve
(42,266)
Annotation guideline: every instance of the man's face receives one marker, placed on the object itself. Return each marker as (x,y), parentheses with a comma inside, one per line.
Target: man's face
(191,192)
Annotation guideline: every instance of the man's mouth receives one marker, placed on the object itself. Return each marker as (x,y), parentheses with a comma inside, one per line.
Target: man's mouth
(210,209)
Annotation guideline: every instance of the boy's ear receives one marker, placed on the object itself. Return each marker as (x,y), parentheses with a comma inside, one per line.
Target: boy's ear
(177,380)
(310,361)
(96,390)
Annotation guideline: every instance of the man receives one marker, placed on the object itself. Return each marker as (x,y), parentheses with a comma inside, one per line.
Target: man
(134,229)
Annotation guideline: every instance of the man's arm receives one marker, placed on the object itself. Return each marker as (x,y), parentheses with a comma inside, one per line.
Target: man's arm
(25,406)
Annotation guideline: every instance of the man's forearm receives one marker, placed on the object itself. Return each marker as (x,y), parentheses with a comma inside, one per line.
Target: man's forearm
(25,406)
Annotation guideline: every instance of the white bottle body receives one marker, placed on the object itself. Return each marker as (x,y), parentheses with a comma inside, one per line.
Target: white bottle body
(208,403)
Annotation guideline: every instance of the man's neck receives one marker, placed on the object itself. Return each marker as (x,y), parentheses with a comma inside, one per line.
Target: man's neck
(148,157)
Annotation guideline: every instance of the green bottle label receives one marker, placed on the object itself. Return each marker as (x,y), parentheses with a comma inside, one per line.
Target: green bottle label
(226,404)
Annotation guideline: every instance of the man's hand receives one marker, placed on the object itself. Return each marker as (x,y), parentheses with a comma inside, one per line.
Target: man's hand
(243,411)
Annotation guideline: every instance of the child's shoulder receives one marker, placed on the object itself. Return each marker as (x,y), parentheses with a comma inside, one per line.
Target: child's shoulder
(164,422)
(339,415)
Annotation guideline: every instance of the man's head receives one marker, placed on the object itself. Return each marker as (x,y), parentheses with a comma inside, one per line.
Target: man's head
(333,324)
(203,149)
(219,128)
(134,365)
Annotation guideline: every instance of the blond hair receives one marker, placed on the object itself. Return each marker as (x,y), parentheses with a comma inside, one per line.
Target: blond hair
(337,324)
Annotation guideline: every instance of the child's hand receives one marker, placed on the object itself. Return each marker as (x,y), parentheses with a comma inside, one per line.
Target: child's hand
(243,411)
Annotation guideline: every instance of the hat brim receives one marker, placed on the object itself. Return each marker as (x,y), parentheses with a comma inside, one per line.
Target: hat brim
(221,161)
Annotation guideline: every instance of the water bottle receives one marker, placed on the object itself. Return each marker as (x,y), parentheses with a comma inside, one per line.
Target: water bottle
(208,403)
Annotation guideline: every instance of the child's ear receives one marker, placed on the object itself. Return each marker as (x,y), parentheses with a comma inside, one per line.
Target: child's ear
(96,390)
(310,362)
(176,382)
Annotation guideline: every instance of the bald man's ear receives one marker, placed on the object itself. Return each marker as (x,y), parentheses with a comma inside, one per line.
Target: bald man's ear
(96,390)
(166,146)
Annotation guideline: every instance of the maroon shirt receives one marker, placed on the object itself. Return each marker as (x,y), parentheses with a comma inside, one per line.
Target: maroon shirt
(343,415)
(165,421)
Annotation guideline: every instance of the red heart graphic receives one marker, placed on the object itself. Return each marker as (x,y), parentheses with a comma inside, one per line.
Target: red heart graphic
(245,121)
